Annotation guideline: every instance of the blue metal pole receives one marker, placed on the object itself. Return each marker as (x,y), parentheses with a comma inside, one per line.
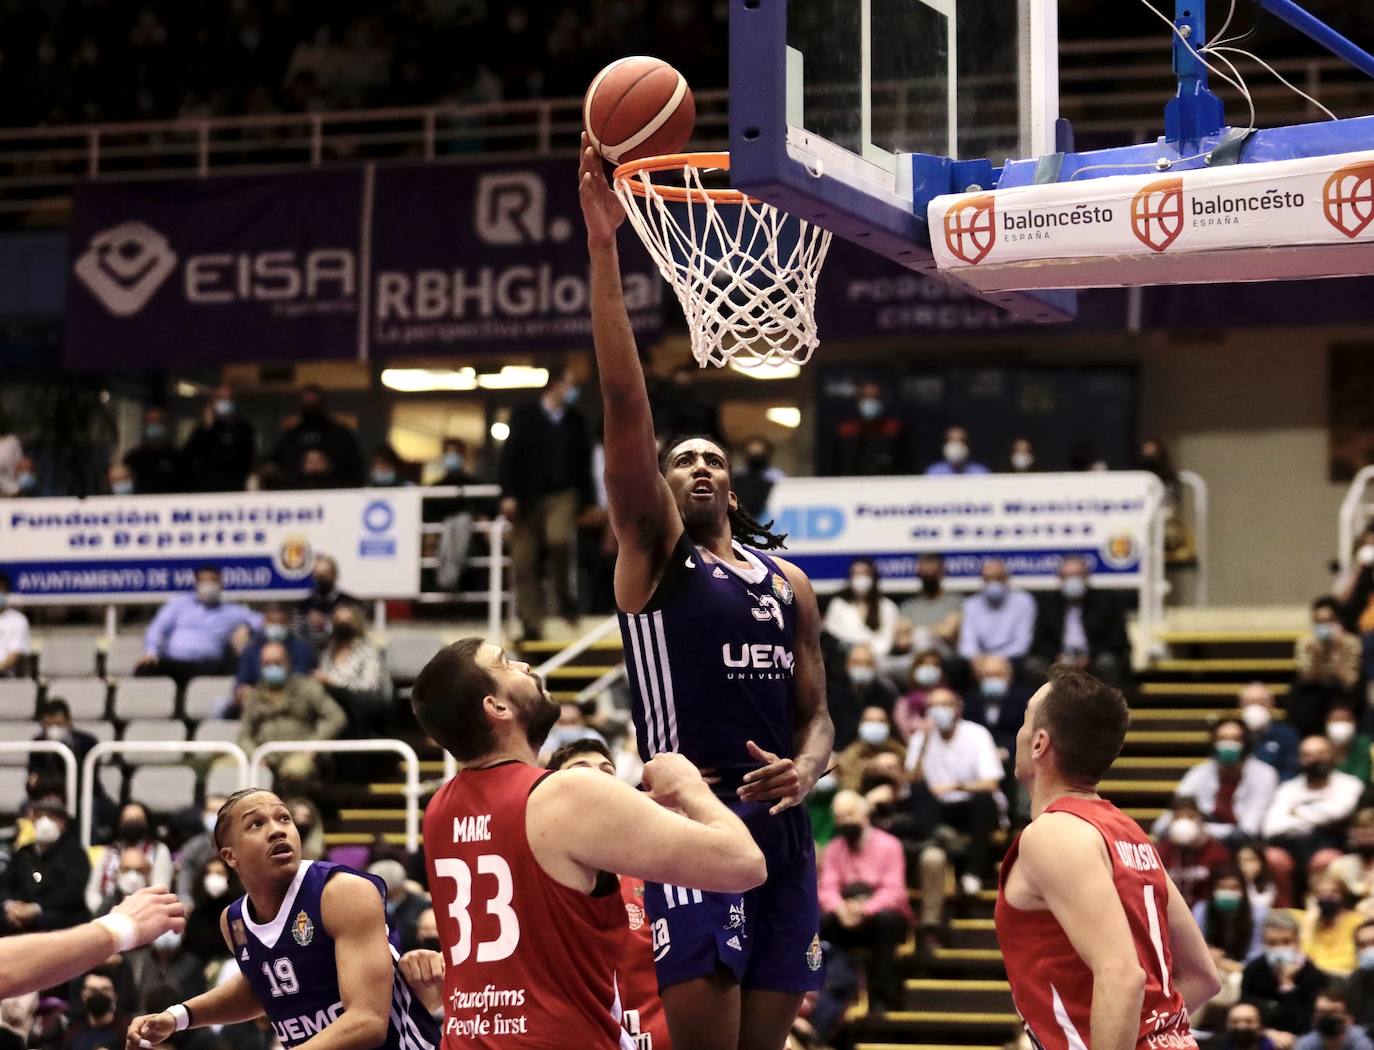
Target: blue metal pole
(1313,27)
(1195,111)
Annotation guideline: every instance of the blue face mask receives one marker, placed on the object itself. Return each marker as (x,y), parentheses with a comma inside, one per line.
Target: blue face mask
(1075,587)
(995,686)
(27,481)
(155,431)
(123,487)
(870,408)
(275,632)
(1324,632)
(1366,958)
(273,675)
(572,396)
(453,461)
(383,477)
(995,592)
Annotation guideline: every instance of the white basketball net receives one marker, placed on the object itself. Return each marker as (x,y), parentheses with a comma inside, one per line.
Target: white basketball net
(744,272)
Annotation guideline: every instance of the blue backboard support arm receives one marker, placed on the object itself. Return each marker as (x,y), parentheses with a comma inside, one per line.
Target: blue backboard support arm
(1314,28)
(1195,111)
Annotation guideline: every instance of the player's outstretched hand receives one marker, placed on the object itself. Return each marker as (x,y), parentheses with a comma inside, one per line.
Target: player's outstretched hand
(778,779)
(154,911)
(668,776)
(601,208)
(422,969)
(149,1030)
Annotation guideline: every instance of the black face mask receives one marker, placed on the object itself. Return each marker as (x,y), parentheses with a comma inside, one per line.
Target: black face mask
(851,833)
(133,831)
(99,1005)
(1316,770)
(345,632)
(1330,1025)
(884,811)
(323,586)
(1329,908)
(930,584)
(430,944)
(757,464)
(1244,1037)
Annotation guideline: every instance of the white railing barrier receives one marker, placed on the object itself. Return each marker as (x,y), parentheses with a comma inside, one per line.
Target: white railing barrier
(258,770)
(51,747)
(572,652)
(1357,510)
(1201,510)
(168,747)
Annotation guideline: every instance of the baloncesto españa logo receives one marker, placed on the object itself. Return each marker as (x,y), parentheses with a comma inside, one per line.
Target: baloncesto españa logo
(1348,198)
(125,265)
(1157,213)
(971,228)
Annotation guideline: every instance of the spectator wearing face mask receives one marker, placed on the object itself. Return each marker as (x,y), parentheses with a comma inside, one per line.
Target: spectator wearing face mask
(112,875)
(1332,1025)
(44,888)
(1244,1031)
(1189,854)
(100,1025)
(404,903)
(1282,981)
(212,889)
(310,824)
(865,687)
(1308,817)
(998,619)
(197,634)
(11,451)
(874,737)
(15,644)
(1350,748)
(933,611)
(1329,667)
(155,466)
(386,470)
(1233,789)
(1361,983)
(957,762)
(1353,587)
(1231,926)
(1021,458)
(219,454)
(119,480)
(276,627)
(316,429)
(164,971)
(47,771)
(871,441)
(26,479)
(1272,741)
(312,615)
(861,613)
(198,850)
(997,701)
(455,464)
(955,456)
(353,672)
(1080,626)
(927,674)
(863,898)
(754,480)
(1329,925)
(1260,886)
(286,706)
(1355,868)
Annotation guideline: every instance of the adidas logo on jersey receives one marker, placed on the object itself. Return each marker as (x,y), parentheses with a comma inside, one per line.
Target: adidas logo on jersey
(733,942)
(243,955)
(720,573)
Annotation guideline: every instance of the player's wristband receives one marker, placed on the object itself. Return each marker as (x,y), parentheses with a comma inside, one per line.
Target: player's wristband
(122,928)
(181,1015)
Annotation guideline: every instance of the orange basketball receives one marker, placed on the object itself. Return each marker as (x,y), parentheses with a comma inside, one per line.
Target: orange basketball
(638,107)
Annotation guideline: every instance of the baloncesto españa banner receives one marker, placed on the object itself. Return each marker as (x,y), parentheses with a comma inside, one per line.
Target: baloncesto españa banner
(352,263)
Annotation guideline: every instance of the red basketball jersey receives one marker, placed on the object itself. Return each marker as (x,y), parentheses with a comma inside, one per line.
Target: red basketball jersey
(528,961)
(644,1018)
(1051,984)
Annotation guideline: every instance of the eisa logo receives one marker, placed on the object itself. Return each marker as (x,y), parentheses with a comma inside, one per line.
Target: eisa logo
(1348,198)
(1157,213)
(124,265)
(971,228)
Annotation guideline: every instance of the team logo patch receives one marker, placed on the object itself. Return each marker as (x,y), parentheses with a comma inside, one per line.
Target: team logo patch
(736,919)
(782,589)
(635,914)
(240,934)
(813,954)
(303,930)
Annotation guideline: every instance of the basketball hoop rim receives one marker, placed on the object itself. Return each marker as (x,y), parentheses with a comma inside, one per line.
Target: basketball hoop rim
(624,174)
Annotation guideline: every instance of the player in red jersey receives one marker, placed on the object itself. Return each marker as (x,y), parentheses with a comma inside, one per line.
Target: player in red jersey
(1100,948)
(520,859)
(644,1018)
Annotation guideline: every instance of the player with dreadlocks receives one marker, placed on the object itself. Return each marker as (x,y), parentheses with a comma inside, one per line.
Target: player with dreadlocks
(722,644)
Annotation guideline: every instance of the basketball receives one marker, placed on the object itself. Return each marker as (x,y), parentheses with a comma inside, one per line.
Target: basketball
(638,107)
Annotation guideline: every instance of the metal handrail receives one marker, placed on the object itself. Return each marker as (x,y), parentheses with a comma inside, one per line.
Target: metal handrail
(50,747)
(170,747)
(572,652)
(1197,487)
(257,768)
(1355,514)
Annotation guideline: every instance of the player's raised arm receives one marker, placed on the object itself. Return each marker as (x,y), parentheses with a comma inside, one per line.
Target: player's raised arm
(704,845)
(643,515)
(1064,861)
(1194,969)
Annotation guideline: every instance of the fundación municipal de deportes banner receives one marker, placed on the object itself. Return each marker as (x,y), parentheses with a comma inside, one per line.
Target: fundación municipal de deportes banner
(144,548)
(1031,521)
(346,263)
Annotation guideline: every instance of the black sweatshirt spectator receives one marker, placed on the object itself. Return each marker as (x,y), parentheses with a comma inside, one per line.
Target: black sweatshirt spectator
(315,428)
(156,465)
(45,887)
(219,453)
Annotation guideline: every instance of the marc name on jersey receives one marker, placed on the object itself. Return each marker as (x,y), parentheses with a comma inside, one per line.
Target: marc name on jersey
(1138,856)
(472,829)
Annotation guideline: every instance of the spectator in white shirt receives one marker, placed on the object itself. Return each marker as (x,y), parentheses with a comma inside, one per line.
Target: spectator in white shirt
(14,634)
(1232,789)
(958,762)
(1310,813)
(860,613)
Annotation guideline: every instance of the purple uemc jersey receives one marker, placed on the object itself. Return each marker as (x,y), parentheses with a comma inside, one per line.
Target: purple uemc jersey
(710,660)
(290,963)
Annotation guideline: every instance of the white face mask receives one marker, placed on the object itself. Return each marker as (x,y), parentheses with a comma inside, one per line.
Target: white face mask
(130,882)
(1365,555)
(1256,717)
(1340,732)
(46,830)
(1022,461)
(928,675)
(956,452)
(208,592)
(216,885)
(168,942)
(874,733)
(942,718)
(1184,831)
(208,821)
(861,584)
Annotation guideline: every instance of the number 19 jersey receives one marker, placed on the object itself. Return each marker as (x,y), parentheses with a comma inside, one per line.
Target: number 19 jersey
(529,962)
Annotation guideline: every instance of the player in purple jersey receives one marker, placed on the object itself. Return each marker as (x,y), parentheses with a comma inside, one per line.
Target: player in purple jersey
(722,643)
(310,942)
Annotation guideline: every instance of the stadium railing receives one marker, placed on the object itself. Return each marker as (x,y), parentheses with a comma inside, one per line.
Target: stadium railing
(258,772)
(1357,513)
(1110,89)
(1197,513)
(52,747)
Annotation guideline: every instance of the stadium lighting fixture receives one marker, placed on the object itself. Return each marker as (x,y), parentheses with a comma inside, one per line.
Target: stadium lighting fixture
(428,380)
(500,431)
(514,377)
(755,368)
(784,416)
